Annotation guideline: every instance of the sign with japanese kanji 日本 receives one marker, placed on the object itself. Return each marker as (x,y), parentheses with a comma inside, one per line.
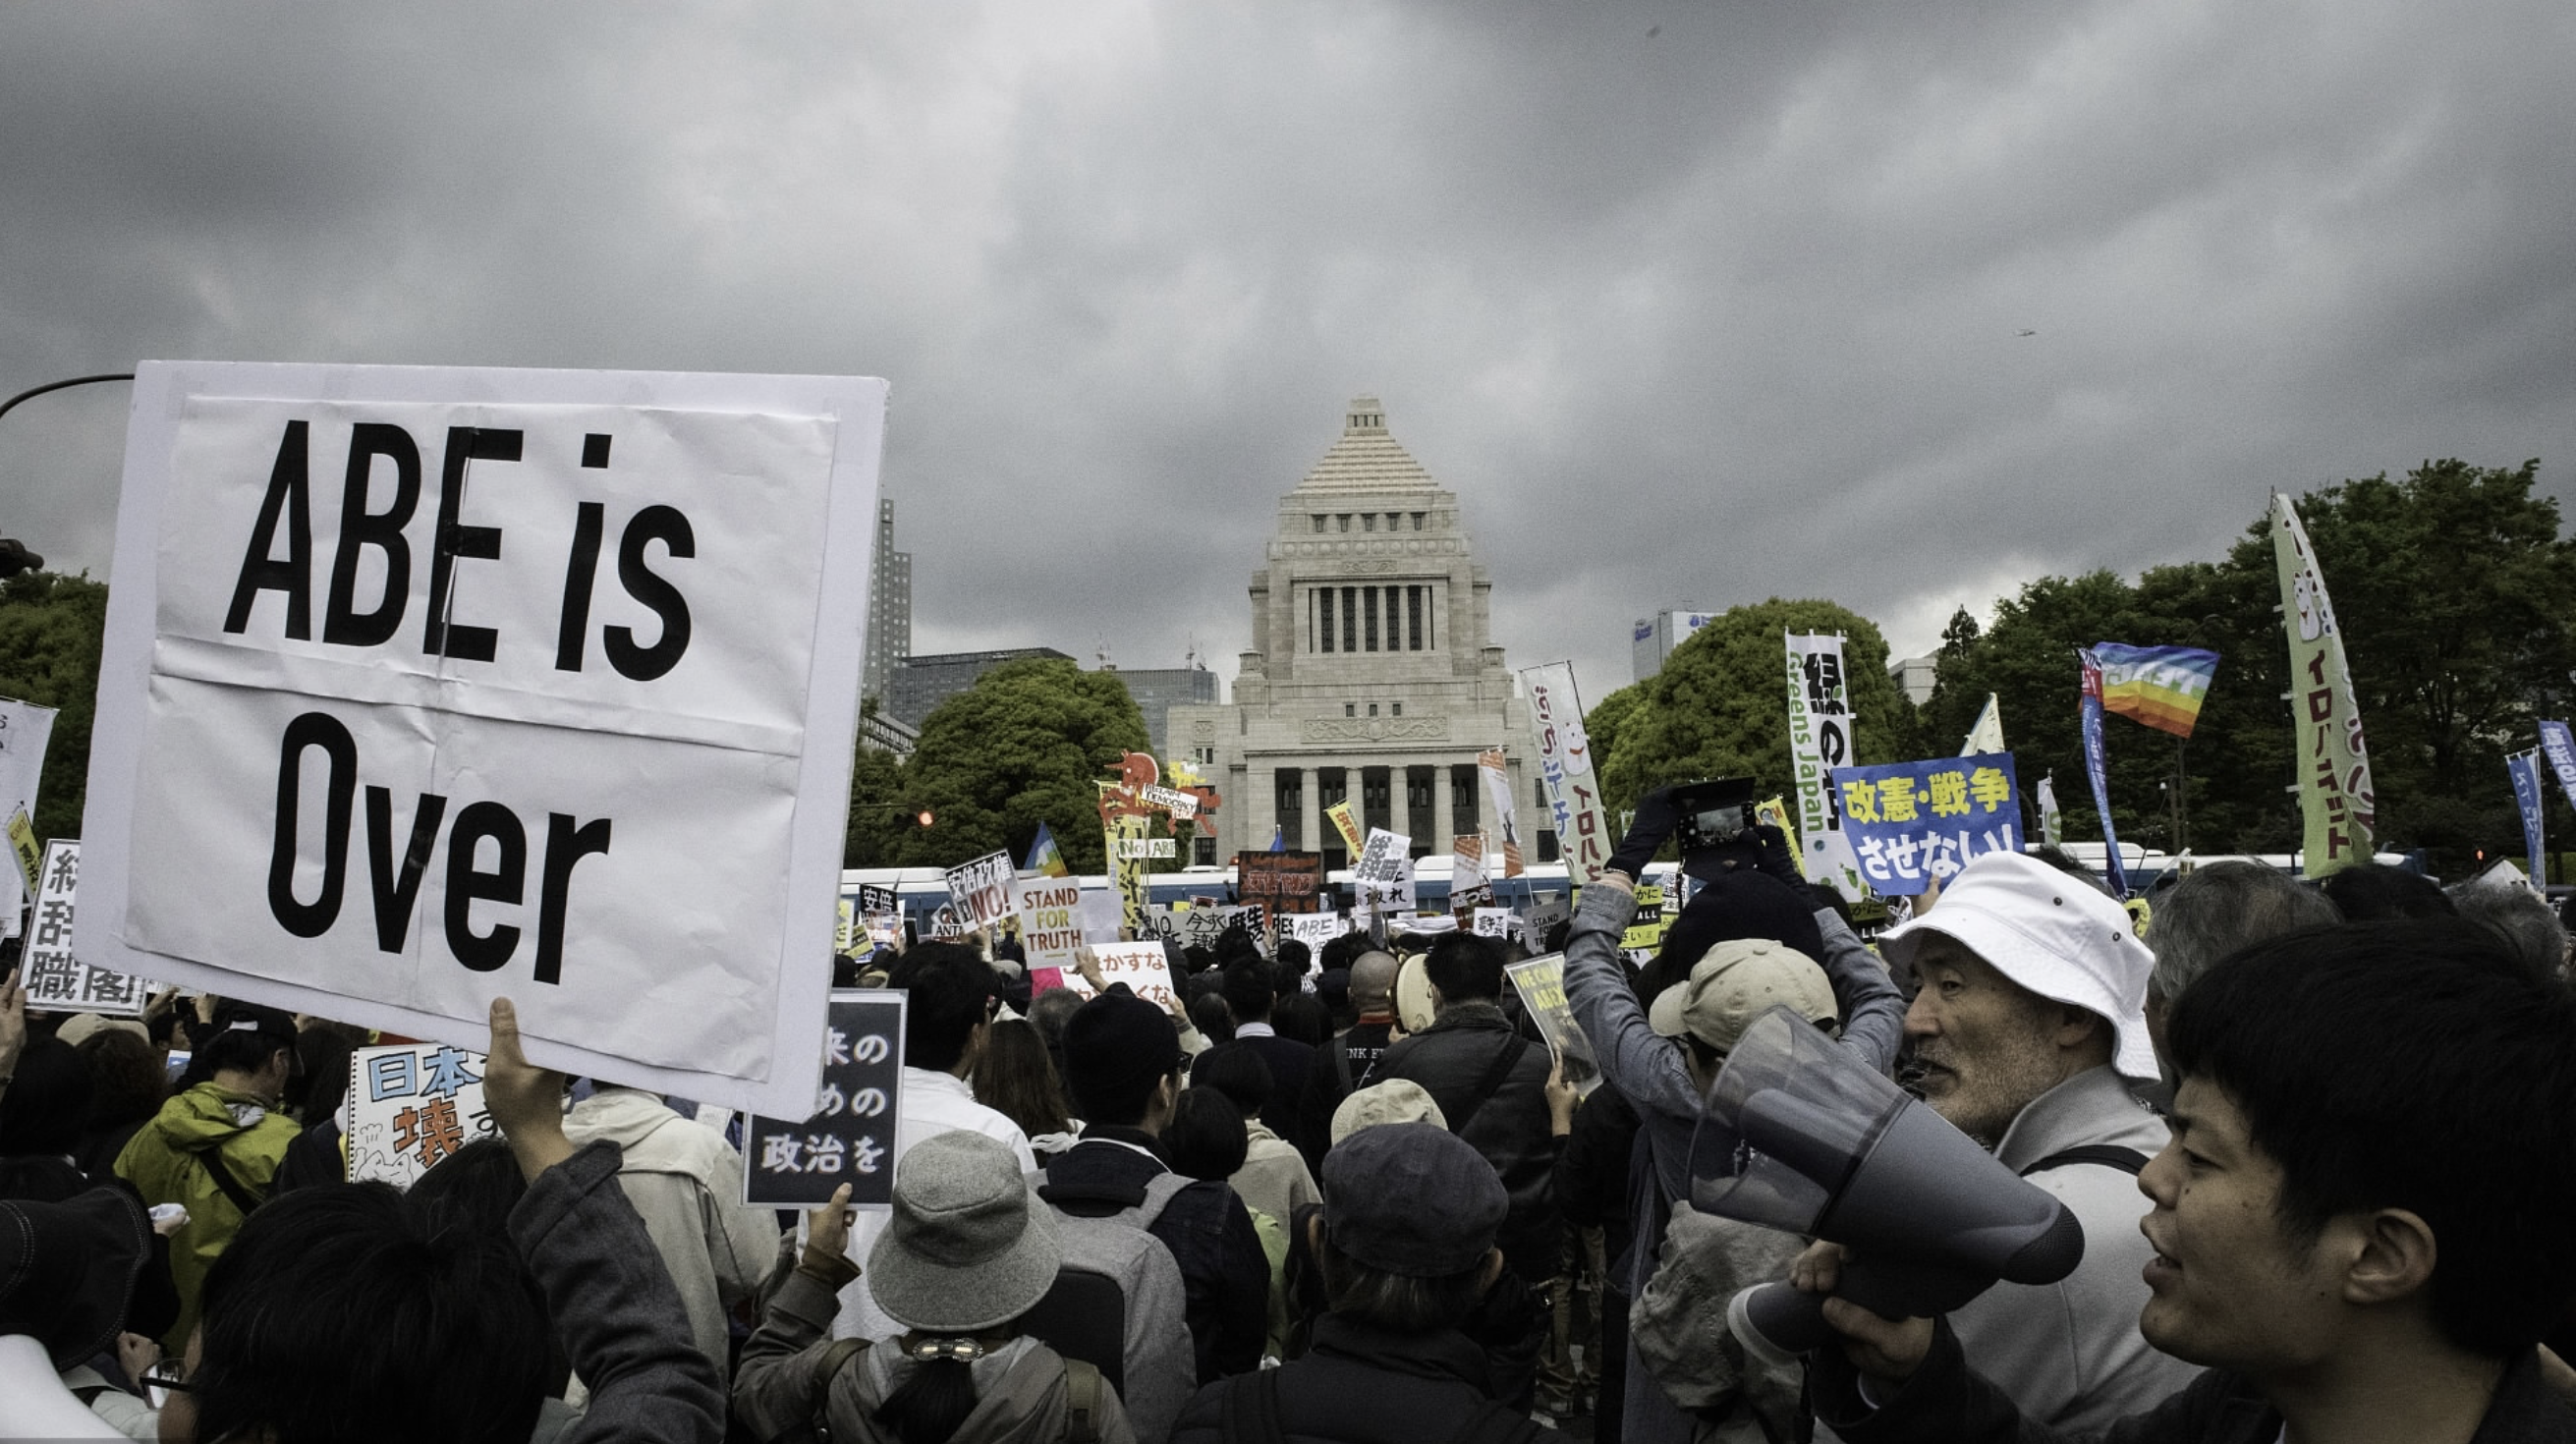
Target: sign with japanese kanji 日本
(850,1136)
(411,1105)
(1913,822)
(55,978)
(424,686)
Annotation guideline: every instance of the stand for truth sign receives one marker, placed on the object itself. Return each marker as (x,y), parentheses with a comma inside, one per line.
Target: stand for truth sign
(423,686)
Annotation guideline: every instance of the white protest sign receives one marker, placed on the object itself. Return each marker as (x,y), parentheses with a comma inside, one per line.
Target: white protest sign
(1493,922)
(1140,966)
(55,979)
(1050,910)
(1315,929)
(24,730)
(424,686)
(1383,876)
(411,1105)
(981,890)
(1102,917)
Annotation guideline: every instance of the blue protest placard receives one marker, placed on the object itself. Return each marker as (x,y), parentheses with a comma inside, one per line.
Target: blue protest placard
(1913,822)
(850,1137)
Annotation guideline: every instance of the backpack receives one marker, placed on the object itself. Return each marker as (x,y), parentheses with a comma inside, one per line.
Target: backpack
(1081,1382)
(1250,1414)
(1119,1305)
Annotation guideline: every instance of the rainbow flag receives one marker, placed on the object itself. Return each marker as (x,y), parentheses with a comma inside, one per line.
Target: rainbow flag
(1044,858)
(2160,686)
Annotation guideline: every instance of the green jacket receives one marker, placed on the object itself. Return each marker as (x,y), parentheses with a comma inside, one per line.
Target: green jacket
(166,1160)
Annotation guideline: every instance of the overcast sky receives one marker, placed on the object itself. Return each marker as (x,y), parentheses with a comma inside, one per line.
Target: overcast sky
(1685,301)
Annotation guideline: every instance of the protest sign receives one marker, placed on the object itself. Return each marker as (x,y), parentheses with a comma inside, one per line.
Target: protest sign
(2558,745)
(25,728)
(1200,926)
(1345,824)
(1541,984)
(981,890)
(1383,876)
(1495,923)
(55,978)
(1050,919)
(1502,830)
(1315,929)
(2097,768)
(2336,799)
(1646,926)
(1820,740)
(1141,966)
(1542,913)
(850,1136)
(410,1105)
(1581,819)
(29,857)
(1103,919)
(425,686)
(1912,822)
(1287,882)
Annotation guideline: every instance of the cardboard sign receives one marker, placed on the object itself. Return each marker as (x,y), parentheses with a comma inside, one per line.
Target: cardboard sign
(409,1106)
(1141,966)
(1913,822)
(1285,882)
(1050,919)
(55,979)
(981,890)
(426,686)
(849,1137)
(1541,984)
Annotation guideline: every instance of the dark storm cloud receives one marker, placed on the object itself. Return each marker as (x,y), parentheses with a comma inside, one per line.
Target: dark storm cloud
(1721,311)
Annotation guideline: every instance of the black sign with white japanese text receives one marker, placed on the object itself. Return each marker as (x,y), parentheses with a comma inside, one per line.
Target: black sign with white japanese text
(850,1138)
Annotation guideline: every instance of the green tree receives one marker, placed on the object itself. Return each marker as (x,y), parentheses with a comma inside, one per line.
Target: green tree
(1604,720)
(1024,745)
(51,629)
(877,818)
(1719,707)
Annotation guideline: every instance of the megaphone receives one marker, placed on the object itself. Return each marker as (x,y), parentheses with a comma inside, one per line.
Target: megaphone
(1798,1134)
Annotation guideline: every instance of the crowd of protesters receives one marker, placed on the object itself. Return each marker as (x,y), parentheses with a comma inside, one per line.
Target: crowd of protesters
(2320,1142)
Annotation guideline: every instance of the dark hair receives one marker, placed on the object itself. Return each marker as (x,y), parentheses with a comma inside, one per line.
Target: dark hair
(238,1049)
(332,1304)
(1210,1015)
(322,1050)
(475,1187)
(1206,1137)
(1464,967)
(1300,1016)
(1017,1079)
(127,1079)
(1729,907)
(1339,953)
(2368,892)
(2521,919)
(948,986)
(2067,863)
(1295,958)
(1250,992)
(1237,1071)
(45,1109)
(2414,1065)
(1236,945)
(1395,1302)
(934,1398)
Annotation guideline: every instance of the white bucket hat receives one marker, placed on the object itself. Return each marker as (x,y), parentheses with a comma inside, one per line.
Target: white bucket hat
(2051,933)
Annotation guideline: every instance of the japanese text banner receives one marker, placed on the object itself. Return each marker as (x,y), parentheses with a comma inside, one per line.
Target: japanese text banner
(1565,761)
(1911,823)
(2335,792)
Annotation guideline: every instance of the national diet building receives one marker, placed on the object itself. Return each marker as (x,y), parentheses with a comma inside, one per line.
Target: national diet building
(1372,674)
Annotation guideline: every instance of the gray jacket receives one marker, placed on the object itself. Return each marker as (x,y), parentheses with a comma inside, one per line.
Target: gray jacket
(615,1309)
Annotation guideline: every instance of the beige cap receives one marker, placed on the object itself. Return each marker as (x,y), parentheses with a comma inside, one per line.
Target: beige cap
(1737,981)
(82,1025)
(1397,1100)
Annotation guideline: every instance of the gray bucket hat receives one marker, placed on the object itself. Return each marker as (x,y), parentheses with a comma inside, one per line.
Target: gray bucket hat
(968,1248)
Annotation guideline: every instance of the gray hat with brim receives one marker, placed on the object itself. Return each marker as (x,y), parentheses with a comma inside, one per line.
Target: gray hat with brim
(968,1247)
(1411,1199)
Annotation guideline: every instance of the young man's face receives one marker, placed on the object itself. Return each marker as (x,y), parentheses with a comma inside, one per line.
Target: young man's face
(1985,1043)
(2231,1285)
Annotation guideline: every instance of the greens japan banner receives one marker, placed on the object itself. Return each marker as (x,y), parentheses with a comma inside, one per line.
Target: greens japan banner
(1911,823)
(1820,740)
(424,686)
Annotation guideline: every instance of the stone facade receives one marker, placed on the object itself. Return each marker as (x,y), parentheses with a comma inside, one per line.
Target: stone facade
(1372,673)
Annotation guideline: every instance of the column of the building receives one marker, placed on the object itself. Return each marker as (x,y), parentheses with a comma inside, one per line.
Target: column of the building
(1260,813)
(1444,823)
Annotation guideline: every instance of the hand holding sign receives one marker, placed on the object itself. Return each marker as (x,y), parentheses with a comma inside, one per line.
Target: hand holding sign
(527,1101)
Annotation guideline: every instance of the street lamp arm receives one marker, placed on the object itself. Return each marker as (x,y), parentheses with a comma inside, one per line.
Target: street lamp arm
(33,392)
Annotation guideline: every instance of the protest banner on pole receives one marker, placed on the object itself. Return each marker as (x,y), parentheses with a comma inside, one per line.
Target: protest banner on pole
(1502,829)
(424,686)
(411,1105)
(1345,824)
(2336,798)
(54,976)
(25,729)
(1285,882)
(2527,795)
(1141,966)
(1541,984)
(2162,687)
(1773,811)
(1581,819)
(2098,769)
(1050,910)
(1821,729)
(2559,747)
(981,890)
(1913,822)
(850,1135)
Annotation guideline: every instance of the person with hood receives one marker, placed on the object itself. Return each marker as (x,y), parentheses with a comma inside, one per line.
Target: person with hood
(214,1149)
(966,1253)
(687,1182)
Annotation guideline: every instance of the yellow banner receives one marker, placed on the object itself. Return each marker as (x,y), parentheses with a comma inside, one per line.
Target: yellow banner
(1340,813)
(22,841)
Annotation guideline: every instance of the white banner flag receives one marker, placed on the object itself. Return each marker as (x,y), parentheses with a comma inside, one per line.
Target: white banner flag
(24,730)
(1581,819)
(1820,739)
(423,686)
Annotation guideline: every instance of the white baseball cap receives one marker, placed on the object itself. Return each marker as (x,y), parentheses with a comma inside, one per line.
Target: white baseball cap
(2049,932)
